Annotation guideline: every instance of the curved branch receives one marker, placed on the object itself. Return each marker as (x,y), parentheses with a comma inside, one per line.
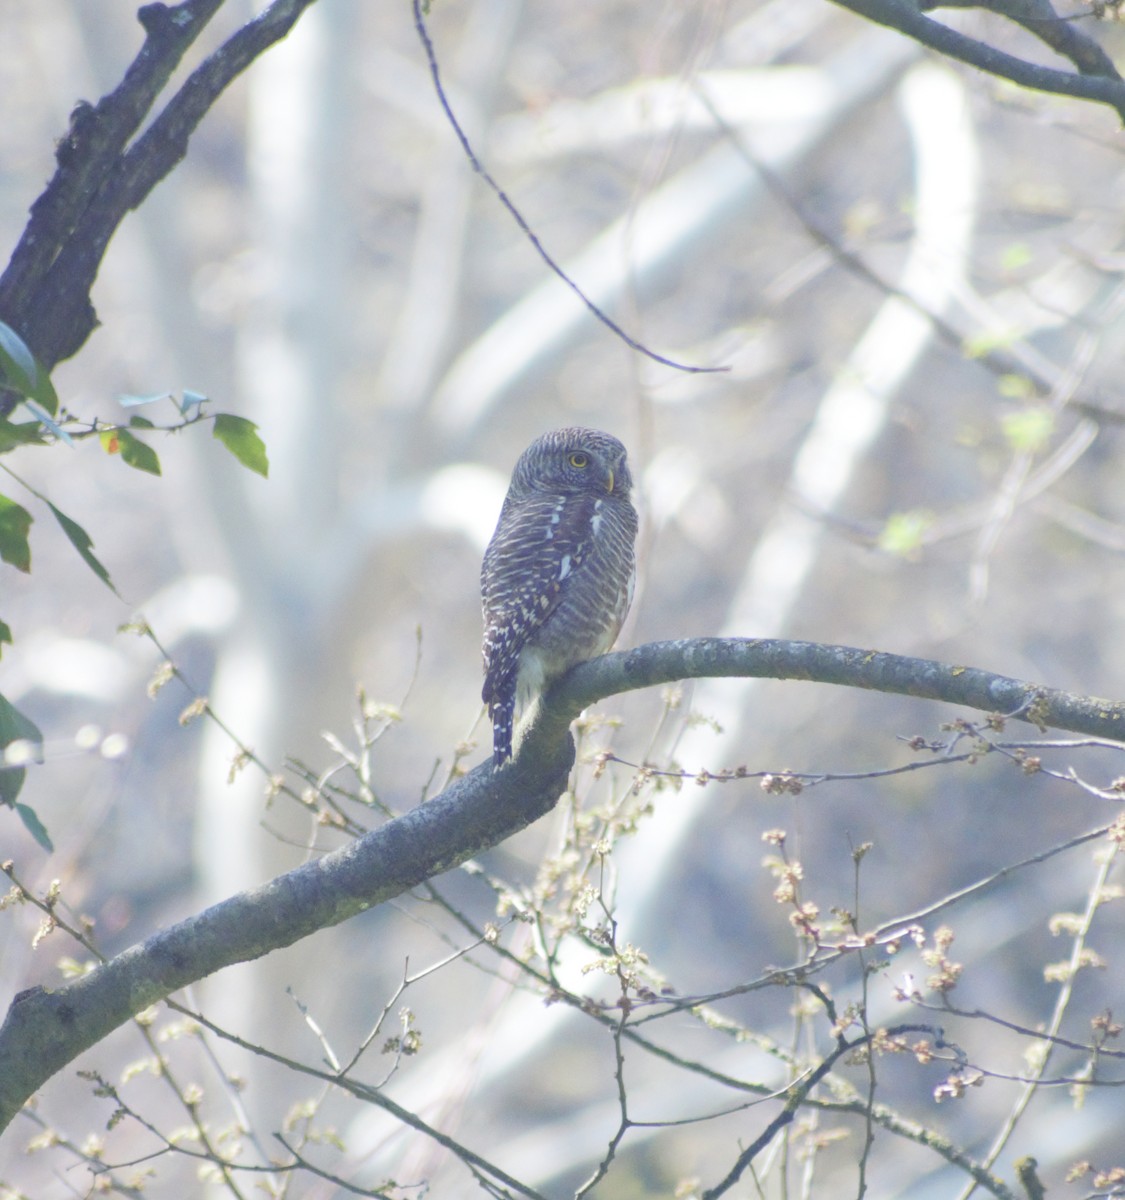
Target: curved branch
(908,19)
(47,1028)
(1039,18)
(847,666)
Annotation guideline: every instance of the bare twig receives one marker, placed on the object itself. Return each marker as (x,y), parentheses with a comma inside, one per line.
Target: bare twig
(521,221)
(373,1095)
(1062,1003)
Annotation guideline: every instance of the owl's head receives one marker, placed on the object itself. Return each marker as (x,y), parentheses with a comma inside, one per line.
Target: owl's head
(574,460)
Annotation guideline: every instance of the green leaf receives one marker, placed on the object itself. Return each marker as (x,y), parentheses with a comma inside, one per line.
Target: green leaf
(132,450)
(83,543)
(11,783)
(140,423)
(22,373)
(5,634)
(1029,429)
(1015,387)
(138,454)
(35,827)
(903,532)
(14,727)
(1016,255)
(15,521)
(23,433)
(240,437)
(981,344)
(16,361)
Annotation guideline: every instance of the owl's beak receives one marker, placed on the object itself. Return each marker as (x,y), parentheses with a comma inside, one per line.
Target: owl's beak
(609,482)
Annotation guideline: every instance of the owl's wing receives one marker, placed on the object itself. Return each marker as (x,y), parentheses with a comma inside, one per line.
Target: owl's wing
(538,547)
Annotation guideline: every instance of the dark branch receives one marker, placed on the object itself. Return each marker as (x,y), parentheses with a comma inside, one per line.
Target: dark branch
(906,18)
(103,172)
(1038,17)
(97,136)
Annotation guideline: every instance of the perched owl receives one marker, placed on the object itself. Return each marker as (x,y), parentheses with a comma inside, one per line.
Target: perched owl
(557,577)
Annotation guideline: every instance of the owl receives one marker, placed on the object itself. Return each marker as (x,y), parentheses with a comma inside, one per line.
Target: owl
(557,577)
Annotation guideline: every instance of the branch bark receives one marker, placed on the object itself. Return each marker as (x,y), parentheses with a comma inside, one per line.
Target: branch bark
(104,169)
(1104,86)
(872,670)
(47,1028)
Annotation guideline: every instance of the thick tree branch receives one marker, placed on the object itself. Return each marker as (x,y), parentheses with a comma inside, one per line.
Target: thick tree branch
(102,173)
(97,136)
(47,1028)
(1038,17)
(768,658)
(907,18)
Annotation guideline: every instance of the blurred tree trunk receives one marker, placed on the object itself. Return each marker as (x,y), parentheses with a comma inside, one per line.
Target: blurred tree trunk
(291,354)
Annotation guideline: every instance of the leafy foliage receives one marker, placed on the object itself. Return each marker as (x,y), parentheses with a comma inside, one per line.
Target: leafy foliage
(25,433)
(15,523)
(23,374)
(132,450)
(25,381)
(15,728)
(241,438)
(83,543)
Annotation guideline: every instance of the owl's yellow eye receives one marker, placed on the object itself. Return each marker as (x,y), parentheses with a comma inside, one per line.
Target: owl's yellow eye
(578,460)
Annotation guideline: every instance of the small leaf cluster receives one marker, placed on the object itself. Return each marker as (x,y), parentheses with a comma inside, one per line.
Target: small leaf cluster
(30,415)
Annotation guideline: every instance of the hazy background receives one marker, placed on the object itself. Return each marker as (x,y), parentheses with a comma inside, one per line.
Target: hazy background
(326,263)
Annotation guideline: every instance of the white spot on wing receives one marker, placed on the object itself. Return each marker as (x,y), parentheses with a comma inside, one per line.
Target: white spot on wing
(556,516)
(564,567)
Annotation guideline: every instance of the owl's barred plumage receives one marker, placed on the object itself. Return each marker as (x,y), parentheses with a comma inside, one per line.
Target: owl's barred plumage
(557,577)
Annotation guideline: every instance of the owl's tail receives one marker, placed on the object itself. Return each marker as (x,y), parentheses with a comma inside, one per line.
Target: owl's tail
(502,711)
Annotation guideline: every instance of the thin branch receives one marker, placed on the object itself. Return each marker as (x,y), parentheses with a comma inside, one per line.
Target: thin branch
(521,221)
(885,1116)
(1015,359)
(373,1095)
(1037,1035)
(390,1192)
(96,1165)
(797,1096)
(888,933)
(891,930)
(1062,1003)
